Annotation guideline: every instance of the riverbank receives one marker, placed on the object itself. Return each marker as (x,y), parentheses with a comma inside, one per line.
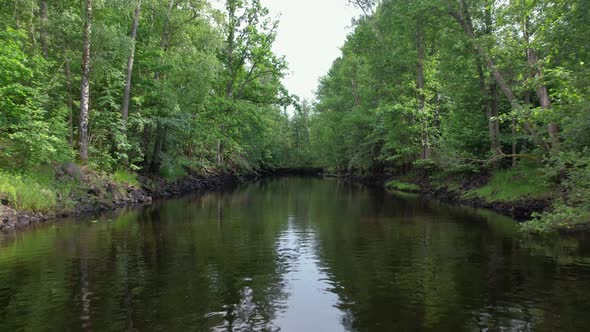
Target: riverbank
(76,191)
(69,190)
(518,194)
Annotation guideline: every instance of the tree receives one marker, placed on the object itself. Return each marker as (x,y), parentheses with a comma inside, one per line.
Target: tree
(252,71)
(127,92)
(85,84)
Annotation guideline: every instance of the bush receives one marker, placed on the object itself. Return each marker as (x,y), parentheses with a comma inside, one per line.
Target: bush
(574,206)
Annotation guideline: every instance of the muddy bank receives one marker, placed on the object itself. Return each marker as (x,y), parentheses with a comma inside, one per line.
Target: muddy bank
(95,197)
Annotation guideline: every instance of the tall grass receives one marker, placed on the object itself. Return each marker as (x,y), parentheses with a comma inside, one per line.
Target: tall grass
(513,184)
(27,193)
(126,177)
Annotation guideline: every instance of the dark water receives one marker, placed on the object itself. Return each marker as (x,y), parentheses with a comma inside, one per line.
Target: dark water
(294,255)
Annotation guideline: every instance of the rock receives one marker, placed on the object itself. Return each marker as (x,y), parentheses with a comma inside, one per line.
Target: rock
(8,218)
(73,171)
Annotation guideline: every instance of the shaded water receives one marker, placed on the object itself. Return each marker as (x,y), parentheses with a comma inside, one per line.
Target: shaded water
(292,255)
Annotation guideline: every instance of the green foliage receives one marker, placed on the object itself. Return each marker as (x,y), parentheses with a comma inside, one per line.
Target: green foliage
(30,134)
(573,206)
(402,186)
(27,193)
(173,171)
(524,181)
(180,107)
(413,93)
(126,177)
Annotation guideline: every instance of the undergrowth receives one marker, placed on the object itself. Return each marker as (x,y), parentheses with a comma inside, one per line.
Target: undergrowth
(523,181)
(572,207)
(28,192)
(126,177)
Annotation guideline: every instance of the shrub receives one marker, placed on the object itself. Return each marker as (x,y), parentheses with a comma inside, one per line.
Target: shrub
(574,206)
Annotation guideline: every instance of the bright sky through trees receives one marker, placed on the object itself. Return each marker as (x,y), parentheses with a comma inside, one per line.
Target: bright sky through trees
(310,35)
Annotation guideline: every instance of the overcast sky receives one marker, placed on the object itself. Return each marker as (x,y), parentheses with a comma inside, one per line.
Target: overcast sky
(310,35)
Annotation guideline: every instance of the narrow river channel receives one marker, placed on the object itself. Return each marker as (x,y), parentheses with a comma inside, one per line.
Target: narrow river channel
(293,254)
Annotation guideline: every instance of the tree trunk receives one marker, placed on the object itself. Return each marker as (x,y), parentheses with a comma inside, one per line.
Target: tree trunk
(43,34)
(70,102)
(493,122)
(489,109)
(85,84)
(220,152)
(164,40)
(355,93)
(155,166)
(127,92)
(465,23)
(147,137)
(229,88)
(542,92)
(420,96)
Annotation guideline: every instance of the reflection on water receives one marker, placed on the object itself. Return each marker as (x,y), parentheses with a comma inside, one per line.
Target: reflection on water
(293,255)
(310,302)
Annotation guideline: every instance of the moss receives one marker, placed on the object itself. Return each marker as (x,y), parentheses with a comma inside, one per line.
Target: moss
(402,186)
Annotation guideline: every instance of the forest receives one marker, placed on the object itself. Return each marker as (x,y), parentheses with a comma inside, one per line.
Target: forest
(487,98)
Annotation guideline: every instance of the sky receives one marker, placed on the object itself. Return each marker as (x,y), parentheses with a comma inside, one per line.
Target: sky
(310,35)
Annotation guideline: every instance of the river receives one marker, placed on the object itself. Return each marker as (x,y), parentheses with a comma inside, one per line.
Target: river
(293,254)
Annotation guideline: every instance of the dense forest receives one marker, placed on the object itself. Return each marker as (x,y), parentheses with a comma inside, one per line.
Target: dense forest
(460,89)
(443,90)
(150,85)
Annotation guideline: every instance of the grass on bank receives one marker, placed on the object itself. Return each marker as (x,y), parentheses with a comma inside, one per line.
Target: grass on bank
(27,192)
(513,184)
(41,191)
(402,186)
(126,177)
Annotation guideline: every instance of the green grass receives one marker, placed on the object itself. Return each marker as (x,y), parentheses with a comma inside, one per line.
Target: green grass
(402,186)
(126,177)
(27,193)
(513,184)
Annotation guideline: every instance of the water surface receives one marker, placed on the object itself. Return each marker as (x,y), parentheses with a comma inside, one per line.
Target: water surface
(293,255)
